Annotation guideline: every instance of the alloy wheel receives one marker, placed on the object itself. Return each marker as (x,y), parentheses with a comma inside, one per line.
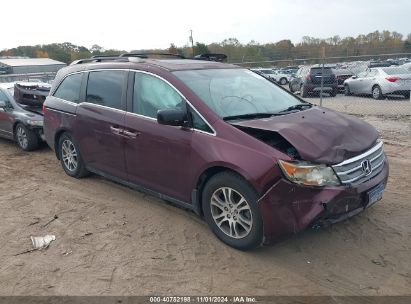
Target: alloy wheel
(22,137)
(69,155)
(376,93)
(231,212)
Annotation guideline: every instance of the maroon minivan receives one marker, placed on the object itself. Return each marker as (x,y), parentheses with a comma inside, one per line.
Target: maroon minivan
(255,161)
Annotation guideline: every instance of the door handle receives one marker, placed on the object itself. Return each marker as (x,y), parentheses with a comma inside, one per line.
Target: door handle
(131,134)
(116,130)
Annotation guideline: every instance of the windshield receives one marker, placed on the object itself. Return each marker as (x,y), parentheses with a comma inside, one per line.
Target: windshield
(233,92)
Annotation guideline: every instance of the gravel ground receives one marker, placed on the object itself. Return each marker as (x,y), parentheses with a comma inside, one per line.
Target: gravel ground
(112,240)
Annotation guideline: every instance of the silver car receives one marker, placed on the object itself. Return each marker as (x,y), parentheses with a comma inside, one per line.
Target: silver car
(380,82)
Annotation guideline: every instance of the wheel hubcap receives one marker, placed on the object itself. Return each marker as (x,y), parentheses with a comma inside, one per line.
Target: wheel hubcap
(231,212)
(376,92)
(69,155)
(22,137)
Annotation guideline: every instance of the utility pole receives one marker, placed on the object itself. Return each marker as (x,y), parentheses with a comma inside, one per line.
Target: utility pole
(322,75)
(192,41)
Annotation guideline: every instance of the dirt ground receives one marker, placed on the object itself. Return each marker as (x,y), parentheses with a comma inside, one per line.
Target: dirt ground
(112,240)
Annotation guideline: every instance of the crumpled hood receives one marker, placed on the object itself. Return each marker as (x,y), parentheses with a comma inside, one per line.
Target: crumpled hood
(320,135)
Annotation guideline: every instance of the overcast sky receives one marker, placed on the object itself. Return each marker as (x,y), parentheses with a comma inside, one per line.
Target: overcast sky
(128,25)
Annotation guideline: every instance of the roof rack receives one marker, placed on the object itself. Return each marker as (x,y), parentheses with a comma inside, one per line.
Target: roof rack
(149,54)
(135,57)
(100,59)
(211,57)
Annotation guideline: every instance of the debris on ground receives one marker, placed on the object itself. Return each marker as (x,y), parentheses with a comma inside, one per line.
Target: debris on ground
(55,217)
(42,242)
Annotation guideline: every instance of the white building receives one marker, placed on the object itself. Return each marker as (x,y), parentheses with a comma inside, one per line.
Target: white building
(30,65)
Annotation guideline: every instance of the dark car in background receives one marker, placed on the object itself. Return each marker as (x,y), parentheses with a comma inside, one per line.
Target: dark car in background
(21,116)
(342,75)
(257,162)
(309,79)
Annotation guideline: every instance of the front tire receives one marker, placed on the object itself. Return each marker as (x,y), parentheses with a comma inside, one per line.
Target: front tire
(347,91)
(283,81)
(230,209)
(70,157)
(26,139)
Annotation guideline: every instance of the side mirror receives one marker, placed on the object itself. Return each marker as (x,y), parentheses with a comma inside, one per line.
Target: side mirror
(354,76)
(3,104)
(172,117)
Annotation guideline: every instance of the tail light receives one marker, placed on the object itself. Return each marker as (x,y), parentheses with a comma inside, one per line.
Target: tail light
(43,109)
(392,79)
(308,78)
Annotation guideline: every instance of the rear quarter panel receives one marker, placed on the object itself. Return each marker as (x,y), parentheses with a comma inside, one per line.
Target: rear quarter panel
(59,116)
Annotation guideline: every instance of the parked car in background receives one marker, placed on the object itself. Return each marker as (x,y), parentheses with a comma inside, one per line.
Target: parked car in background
(22,122)
(280,77)
(379,64)
(342,75)
(380,82)
(407,66)
(265,72)
(308,81)
(31,93)
(254,160)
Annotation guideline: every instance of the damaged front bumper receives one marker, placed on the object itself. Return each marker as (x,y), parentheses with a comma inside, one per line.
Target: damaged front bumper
(288,208)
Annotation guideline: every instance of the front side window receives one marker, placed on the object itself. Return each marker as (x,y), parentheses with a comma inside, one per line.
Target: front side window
(69,89)
(232,92)
(106,88)
(152,94)
(362,74)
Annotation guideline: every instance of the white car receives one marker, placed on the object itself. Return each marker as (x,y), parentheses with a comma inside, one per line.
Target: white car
(281,78)
(380,82)
(407,66)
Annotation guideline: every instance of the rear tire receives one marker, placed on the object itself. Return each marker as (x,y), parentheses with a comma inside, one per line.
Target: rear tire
(230,208)
(26,139)
(333,93)
(376,92)
(70,157)
(303,91)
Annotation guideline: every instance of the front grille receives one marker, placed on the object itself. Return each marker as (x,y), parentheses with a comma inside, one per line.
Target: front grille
(354,171)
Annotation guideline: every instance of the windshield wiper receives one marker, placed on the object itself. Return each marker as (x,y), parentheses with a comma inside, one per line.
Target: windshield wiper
(300,107)
(249,116)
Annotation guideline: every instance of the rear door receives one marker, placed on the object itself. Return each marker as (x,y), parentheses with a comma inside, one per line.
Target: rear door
(295,82)
(368,82)
(157,156)
(100,120)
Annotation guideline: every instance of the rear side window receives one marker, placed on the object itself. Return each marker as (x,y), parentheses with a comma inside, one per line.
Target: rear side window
(69,89)
(152,94)
(106,88)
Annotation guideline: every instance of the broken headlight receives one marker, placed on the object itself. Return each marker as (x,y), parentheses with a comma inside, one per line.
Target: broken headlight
(309,174)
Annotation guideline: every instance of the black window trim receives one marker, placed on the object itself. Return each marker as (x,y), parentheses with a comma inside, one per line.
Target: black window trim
(130,93)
